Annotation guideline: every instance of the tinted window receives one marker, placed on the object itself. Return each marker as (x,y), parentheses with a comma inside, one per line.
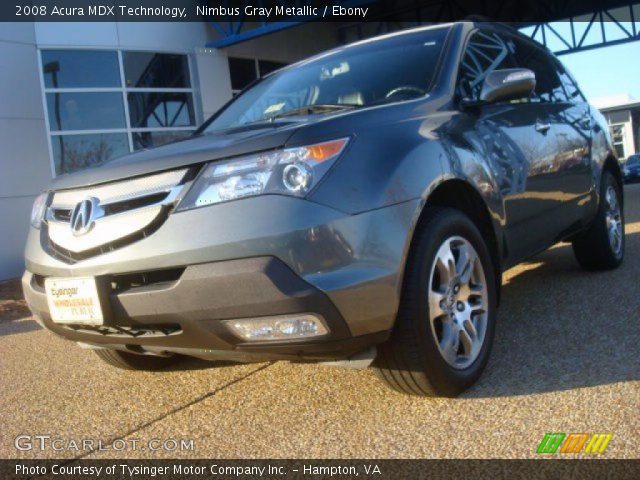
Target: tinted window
(80,68)
(384,71)
(161,109)
(485,52)
(548,85)
(569,84)
(85,111)
(156,70)
(242,71)
(633,160)
(73,152)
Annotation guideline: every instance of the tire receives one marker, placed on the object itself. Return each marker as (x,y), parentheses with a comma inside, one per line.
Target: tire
(133,361)
(412,360)
(596,249)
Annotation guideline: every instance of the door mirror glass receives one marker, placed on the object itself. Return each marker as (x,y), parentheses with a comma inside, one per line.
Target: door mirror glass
(507,84)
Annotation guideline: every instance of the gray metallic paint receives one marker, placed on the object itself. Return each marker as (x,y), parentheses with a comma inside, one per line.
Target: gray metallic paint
(350,237)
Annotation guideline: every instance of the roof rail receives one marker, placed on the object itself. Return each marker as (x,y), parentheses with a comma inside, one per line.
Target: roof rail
(484,19)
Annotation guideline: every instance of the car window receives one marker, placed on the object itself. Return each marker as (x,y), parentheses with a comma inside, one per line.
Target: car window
(549,88)
(371,73)
(571,88)
(633,160)
(485,52)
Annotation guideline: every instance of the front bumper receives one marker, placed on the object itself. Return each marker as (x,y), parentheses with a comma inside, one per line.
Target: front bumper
(183,315)
(261,256)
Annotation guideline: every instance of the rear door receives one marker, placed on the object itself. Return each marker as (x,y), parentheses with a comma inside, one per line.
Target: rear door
(561,181)
(574,128)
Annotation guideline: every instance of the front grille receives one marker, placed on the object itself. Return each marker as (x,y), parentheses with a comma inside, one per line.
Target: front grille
(128,332)
(70,257)
(62,214)
(122,282)
(122,213)
(140,202)
(157,278)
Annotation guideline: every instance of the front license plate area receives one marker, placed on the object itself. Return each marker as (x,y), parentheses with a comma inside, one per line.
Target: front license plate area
(74,301)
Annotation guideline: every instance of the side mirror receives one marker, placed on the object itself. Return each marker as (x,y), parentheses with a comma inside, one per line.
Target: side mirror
(507,84)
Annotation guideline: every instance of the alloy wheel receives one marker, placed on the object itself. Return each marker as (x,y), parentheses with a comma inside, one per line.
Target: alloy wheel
(458,302)
(614,220)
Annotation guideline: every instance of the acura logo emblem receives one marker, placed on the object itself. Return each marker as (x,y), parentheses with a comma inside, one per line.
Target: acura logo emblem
(83,216)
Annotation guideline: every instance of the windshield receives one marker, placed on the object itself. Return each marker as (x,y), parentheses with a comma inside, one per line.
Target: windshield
(389,70)
(633,160)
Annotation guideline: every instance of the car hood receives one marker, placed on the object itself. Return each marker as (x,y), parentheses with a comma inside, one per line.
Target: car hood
(194,150)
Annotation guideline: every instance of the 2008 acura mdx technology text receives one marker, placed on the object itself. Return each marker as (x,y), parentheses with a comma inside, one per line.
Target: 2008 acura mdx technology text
(359,205)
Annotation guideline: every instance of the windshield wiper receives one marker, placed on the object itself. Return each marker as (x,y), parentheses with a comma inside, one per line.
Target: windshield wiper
(313,109)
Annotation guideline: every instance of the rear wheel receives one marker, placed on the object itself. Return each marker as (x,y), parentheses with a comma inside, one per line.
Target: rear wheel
(602,246)
(132,361)
(444,330)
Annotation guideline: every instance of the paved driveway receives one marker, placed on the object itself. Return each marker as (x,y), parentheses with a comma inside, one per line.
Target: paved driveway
(566,359)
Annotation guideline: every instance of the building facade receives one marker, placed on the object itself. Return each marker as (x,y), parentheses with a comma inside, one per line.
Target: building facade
(73,95)
(623,118)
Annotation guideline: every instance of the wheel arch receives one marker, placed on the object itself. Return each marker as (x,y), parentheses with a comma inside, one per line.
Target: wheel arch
(464,197)
(612,165)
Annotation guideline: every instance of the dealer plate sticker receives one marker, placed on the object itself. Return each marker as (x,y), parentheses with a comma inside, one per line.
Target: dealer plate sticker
(74,300)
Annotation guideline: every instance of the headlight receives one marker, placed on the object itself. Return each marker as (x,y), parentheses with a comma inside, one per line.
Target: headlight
(37,212)
(292,171)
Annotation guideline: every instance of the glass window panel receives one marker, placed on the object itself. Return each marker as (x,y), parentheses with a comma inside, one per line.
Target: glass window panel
(80,68)
(243,72)
(156,70)
(85,111)
(75,152)
(161,109)
(267,66)
(157,138)
(485,52)
(548,85)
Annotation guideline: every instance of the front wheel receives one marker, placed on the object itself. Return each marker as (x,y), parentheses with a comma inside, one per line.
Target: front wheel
(444,329)
(133,361)
(602,246)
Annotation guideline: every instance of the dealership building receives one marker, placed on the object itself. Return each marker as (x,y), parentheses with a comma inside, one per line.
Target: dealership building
(623,116)
(76,94)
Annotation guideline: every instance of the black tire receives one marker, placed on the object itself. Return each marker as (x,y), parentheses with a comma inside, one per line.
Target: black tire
(593,249)
(133,361)
(410,360)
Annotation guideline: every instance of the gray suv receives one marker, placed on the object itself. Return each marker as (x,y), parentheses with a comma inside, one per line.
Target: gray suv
(356,207)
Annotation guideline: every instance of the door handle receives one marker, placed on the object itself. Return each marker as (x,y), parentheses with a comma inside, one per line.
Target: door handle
(542,127)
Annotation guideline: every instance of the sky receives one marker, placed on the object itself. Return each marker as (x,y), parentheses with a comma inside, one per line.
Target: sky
(605,71)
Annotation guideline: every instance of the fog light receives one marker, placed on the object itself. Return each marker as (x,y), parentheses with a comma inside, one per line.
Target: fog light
(282,327)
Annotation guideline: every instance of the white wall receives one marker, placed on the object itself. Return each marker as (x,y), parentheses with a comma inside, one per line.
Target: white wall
(214,79)
(24,155)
